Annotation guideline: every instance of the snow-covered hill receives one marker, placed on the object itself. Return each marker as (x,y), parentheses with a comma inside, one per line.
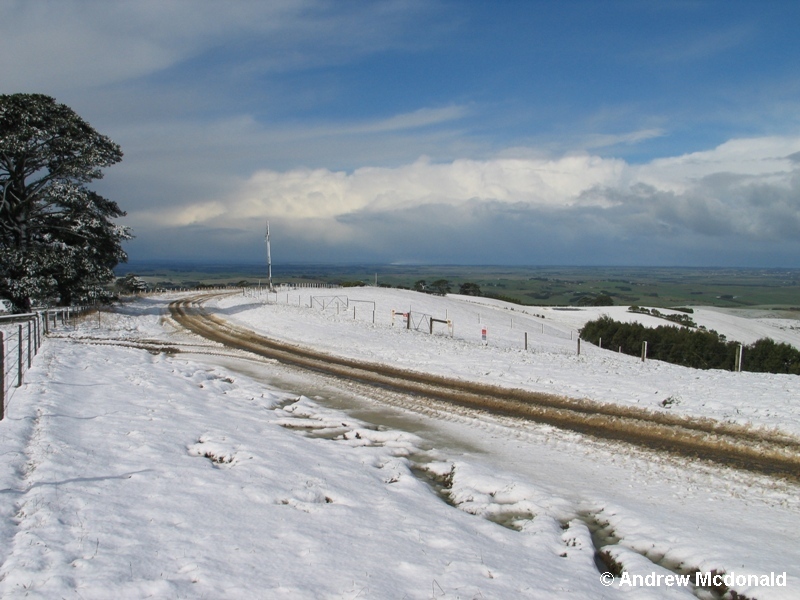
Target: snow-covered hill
(550,364)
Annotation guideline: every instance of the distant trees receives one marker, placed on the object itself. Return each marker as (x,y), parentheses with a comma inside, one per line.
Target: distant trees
(598,300)
(469,289)
(440,287)
(131,284)
(57,238)
(692,348)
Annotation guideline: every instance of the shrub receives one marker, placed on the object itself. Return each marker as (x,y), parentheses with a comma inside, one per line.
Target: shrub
(699,349)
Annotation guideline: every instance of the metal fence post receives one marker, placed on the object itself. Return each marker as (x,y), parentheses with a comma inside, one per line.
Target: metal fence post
(2,376)
(19,357)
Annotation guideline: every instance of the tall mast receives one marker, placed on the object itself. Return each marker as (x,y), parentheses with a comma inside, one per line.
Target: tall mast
(269,259)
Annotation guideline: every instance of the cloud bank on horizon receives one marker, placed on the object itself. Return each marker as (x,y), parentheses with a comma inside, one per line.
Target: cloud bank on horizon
(434,132)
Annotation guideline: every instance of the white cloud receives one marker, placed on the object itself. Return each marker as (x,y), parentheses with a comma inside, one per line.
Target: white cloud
(633,137)
(746,189)
(320,193)
(58,45)
(423,117)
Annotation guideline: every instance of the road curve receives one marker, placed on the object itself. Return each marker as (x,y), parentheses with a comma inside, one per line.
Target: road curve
(724,443)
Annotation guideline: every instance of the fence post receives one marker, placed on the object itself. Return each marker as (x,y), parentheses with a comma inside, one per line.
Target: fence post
(579,346)
(408,321)
(526,340)
(644,350)
(19,357)
(29,344)
(35,334)
(2,377)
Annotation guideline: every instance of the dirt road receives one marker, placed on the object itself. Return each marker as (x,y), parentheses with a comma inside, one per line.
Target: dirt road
(741,447)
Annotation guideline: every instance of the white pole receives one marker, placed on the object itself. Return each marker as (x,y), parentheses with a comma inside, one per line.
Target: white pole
(269,259)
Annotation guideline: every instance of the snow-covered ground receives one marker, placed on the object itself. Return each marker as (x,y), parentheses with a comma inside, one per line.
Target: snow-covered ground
(551,363)
(130,473)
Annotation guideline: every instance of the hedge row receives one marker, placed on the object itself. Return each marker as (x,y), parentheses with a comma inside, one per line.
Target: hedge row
(692,348)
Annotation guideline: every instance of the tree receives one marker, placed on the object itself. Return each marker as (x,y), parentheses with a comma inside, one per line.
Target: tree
(131,284)
(57,237)
(469,289)
(440,287)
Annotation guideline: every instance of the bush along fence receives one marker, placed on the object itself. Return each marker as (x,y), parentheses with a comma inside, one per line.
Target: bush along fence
(692,348)
(20,340)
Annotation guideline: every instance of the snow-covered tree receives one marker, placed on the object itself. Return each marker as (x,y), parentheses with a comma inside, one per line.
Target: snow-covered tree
(131,284)
(57,237)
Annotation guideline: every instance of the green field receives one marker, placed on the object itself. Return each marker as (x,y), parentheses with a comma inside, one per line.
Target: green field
(553,286)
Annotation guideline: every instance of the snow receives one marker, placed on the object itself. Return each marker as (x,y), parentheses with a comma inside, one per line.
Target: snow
(551,363)
(134,472)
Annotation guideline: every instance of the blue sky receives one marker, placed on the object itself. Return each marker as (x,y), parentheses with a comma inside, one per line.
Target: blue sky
(571,132)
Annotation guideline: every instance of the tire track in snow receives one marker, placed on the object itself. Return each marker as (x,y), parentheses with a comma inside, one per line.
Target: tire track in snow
(745,448)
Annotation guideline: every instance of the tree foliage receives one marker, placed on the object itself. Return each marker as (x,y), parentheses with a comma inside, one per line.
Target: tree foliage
(692,348)
(131,284)
(469,289)
(601,299)
(57,237)
(440,287)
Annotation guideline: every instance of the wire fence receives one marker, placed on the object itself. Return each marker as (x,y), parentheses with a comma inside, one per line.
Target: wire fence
(21,338)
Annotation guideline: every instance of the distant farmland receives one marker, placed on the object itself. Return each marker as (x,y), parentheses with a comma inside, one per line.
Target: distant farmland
(543,286)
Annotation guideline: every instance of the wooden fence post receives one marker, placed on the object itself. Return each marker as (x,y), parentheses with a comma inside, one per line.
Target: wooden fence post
(29,344)
(526,340)
(579,346)
(644,350)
